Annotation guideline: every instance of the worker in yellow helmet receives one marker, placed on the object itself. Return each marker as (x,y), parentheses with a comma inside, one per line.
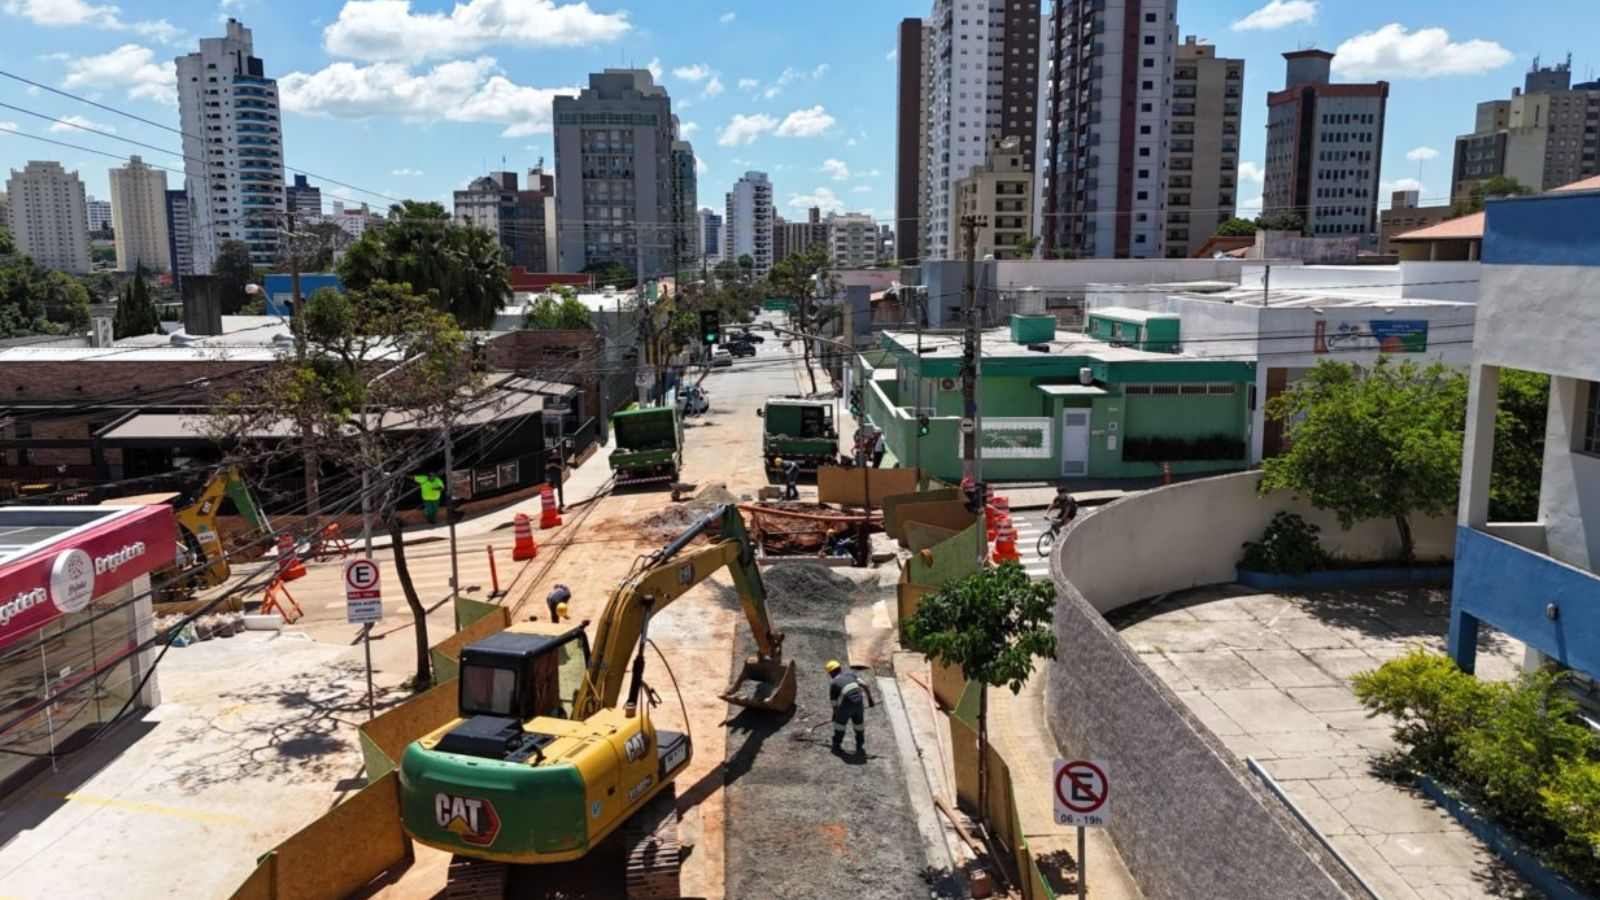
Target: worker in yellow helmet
(849,696)
(791,477)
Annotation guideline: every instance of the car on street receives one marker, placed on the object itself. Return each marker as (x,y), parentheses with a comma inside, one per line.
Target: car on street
(720,357)
(740,349)
(693,400)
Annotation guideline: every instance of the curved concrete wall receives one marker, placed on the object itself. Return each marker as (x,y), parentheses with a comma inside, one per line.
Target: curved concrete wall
(1191,534)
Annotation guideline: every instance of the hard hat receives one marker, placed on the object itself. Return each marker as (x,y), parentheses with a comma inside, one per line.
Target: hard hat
(832,666)
(777,461)
(561,610)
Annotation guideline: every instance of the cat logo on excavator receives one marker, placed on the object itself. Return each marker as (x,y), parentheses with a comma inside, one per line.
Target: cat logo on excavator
(471,819)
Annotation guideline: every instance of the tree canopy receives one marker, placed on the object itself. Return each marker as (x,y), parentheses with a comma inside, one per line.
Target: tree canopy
(232,272)
(562,310)
(1281,221)
(1237,227)
(136,313)
(1498,186)
(460,270)
(36,300)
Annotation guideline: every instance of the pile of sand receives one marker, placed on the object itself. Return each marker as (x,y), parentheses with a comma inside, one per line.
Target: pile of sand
(677,518)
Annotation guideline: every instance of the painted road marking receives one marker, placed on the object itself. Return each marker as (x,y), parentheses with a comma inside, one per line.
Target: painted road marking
(156,809)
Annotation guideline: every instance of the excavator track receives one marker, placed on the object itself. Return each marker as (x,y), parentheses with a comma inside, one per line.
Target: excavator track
(476,879)
(650,842)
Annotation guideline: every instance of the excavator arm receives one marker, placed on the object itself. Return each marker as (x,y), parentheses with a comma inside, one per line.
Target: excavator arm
(669,574)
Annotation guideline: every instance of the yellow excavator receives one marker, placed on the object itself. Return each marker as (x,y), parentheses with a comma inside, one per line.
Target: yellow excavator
(550,782)
(202,560)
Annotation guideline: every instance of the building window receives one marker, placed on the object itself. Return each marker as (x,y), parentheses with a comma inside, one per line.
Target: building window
(1590,430)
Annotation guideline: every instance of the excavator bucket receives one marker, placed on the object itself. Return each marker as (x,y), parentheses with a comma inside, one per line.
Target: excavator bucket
(764,684)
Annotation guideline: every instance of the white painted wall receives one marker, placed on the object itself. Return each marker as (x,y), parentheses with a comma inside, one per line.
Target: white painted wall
(1569,492)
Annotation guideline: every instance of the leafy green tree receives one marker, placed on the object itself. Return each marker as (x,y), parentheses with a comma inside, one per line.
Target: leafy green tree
(1281,221)
(549,313)
(7,245)
(1025,247)
(136,313)
(1498,186)
(66,301)
(457,268)
(329,392)
(1519,429)
(1431,702)
(611,273)
(231,272)
(1237,227)
(993,623)
(1381,444)
(802,277)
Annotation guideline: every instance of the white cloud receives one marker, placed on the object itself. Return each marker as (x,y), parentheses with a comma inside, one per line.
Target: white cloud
(713,87)
(700,167)
(76,124)
(861,189)
(1395,52)
(806,123)
(687,130)
(9,126)
(376,30)
(789,76)
(726,18)
(892,55)
(654,68)
(1252,172)
(130,67)
(772,91)
(1249,209)
(820,70)
(835,169)
(823,198)
(743,129)
(870,173)
(748,84)
(79,13)
(406,173)
(1278,14)
(850,143)
(696,72)
(459,91)
(1405,184)
(1422,154)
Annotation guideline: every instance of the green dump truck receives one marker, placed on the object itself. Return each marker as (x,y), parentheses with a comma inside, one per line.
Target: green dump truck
(799,430)
(649,444)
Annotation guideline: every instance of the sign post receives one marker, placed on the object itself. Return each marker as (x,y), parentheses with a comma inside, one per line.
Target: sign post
(363,605)
(1081,791)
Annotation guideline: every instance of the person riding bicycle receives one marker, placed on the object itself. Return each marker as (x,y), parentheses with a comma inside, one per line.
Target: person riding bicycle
(1063,508)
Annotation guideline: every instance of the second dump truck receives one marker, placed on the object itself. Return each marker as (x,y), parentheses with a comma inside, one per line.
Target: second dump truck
(799,430)
(649,444)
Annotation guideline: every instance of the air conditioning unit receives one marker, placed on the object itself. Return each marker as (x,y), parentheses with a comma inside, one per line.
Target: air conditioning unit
(1085,376)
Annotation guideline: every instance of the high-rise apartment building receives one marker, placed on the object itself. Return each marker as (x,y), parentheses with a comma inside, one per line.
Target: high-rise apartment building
(983,86)
(1324,148)
(852,240)
(1203,168)
(1000,194)
(800,237)
(49,216)
(710,236)
(911,128)
(780,239)
(748,221)
(523,220)
(99,213)
(614,174)
(180,248)
(302,198)
(233,144)
(1546,136)
(1109,95)
(139,217)
(685,198)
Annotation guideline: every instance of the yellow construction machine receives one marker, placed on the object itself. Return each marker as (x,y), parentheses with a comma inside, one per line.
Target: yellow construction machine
(202,561)
(549,770)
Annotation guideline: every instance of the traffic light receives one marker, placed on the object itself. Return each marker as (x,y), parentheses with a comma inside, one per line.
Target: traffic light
(855,402)
(923,427)
(710,327)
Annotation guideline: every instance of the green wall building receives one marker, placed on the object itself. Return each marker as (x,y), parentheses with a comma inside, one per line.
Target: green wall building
(1061,405)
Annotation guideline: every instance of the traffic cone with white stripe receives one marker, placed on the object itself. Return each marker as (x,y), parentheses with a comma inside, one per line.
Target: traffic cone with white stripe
(526,547)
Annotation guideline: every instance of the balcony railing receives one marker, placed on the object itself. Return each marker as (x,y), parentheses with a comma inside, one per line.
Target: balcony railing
(1504,578)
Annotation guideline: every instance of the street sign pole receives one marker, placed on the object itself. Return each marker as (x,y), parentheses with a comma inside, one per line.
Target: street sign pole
(363,603)
(1082,788)
(1083,868)
(372,707)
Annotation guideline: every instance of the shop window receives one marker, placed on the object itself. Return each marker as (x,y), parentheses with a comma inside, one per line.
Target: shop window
(1222,388)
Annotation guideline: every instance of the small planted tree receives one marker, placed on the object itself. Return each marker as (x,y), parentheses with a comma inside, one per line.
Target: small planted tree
(136,312)
(994,624)
(1380,444)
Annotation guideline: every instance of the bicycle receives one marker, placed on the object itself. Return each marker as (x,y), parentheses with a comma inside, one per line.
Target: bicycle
(1048,539)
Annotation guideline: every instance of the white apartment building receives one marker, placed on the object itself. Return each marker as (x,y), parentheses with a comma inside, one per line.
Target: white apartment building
(233,142)
(748,222)
(984,65)
(1107,177)
(48,212)
(853,240)
(99,212)
(139,217)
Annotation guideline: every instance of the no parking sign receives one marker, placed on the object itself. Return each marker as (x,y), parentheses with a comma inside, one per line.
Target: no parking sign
(362,592)
(1082,791)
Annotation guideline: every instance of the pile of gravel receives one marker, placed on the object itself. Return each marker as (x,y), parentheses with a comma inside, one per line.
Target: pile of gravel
(675,518)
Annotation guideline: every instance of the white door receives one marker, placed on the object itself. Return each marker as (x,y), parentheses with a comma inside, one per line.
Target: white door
(1075,442)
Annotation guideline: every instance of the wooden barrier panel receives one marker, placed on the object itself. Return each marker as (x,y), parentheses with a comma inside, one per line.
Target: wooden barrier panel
(894,522)
(390,732)
(857,486)
(964,759)
(469,611)
(350,845)
(920,536)
(948,683)
(259,885)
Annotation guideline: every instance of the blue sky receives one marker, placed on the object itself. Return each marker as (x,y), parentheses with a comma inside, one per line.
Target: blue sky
(413,99)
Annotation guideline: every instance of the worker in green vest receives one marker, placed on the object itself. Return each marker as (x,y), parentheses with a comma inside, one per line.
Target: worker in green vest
(432,487)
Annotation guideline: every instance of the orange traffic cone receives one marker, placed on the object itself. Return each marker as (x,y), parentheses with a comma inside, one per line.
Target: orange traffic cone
(526,547)
(999,508)
(1005,544)
(289,565)
(549,516)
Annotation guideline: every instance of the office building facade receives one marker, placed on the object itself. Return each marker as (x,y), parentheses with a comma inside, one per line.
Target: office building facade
(710,236)
(99,213)
(852,240)
(180,249)
(302,198)
(1324,148)
(748,220)
(911,125)
(1000,195)
(799,237)
(139,217)
(49,217)
(685,199)
(1109,96)
(1546,136)
(522,220)
(1203,169)
(614,174)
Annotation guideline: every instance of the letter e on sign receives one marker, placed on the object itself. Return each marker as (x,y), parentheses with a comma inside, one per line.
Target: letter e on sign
(363,592)
(1082,792)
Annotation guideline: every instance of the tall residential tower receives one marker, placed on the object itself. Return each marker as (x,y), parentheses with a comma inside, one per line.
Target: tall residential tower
(139,217)
(748,222)
(1202,186)
(49,216)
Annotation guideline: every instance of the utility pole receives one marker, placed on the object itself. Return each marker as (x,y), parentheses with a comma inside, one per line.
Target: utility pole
(450,519)
(971,374)
(297,327)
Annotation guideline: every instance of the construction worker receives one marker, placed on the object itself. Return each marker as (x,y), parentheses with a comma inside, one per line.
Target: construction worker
(849,697)
(432,487)
(557,601)
(791,478)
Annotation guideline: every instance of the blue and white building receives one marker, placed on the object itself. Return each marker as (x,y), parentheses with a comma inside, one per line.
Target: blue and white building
(1539,310)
